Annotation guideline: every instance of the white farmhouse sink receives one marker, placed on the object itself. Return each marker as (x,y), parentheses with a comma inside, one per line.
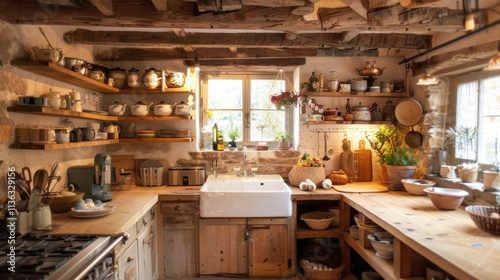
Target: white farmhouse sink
(229,196)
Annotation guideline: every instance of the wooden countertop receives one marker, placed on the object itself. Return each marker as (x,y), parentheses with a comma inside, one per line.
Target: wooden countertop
(449,239)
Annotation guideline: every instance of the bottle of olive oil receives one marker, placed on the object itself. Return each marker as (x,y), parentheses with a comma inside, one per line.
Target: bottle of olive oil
(220,142)
(215,136)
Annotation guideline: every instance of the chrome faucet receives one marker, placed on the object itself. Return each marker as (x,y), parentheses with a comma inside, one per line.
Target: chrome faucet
(245,172)
(214,167)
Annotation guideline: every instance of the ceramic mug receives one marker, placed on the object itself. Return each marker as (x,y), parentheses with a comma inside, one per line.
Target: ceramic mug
(88,133)
(76,135)
(447,171)
(62,135)
(42,217)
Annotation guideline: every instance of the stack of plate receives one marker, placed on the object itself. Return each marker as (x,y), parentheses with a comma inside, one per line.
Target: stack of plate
(146,133)
(182,133)
(163,133)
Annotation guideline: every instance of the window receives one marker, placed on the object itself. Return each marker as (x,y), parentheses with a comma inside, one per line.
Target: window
(242,102)
(478,106)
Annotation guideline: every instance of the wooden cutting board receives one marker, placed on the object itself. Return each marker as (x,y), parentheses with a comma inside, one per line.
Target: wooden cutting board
(364,163)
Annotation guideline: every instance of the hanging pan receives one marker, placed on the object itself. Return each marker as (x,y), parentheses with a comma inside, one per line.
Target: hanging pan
(408,112)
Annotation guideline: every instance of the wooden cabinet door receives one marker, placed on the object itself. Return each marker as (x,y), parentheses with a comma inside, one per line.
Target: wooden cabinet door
(128,265)
(180,253)
(268,248)
(148,260)
(223,248)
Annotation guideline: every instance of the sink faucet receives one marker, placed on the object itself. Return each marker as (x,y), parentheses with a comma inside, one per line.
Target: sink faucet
(214,167)
(245,172)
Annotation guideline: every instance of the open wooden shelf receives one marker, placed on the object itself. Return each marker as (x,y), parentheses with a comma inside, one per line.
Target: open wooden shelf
(384,267)
(55,146)
(47,111)
(154,118)
(156,140)
(142,90)
(356,94)
(303,232)
(345,123)
(59,73)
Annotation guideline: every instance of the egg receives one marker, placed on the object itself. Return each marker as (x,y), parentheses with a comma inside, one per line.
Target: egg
(97,202)
(87,200)
(78,206)
(80,201)
(494,215)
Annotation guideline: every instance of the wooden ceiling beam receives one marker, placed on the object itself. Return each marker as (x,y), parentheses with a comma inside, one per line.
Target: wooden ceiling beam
(104,6)
(203,54)
(245,40)
(160,5)
(281,62)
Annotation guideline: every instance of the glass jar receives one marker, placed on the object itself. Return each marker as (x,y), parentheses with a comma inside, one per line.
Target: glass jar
(125,179)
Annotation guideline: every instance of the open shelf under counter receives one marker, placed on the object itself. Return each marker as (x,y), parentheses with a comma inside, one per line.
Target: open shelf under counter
(154,118)
(384,267)
(47,111)
(56,146)
(59,73)
(156,140)
(305,232)
(356,94)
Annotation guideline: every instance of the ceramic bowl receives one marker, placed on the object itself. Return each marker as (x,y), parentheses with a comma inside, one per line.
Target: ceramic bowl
(446,198)
(383,243)
(62,202)
(416,186)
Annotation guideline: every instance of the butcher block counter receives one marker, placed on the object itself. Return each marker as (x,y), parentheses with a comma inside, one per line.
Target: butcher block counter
(448,239)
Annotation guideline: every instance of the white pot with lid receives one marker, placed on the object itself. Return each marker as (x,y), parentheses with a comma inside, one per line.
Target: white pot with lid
(162,109)
(361,113)
(140,109)
(117,109)
(53,99)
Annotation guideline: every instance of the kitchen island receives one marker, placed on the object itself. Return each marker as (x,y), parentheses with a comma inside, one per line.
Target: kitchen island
(423,234)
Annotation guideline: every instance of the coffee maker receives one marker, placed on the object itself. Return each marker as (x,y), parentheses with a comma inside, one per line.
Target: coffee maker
(94,181)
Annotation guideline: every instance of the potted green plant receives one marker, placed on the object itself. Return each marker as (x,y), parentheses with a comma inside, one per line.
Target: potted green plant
(234,133)
(283,139)
(380,143)
(401,163)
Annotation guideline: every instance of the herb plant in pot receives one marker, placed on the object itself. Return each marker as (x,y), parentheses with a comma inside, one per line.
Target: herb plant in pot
(380,143)
(283,139)
(234,133)
(401,163)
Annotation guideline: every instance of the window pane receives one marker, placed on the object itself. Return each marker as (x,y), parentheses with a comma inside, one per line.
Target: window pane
(261,90)
(225,94)
(490,120)
(467,111)
(265,124)
(228,119)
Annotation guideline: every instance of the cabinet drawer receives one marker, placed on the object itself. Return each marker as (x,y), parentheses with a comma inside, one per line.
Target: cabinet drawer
(179,207)
(178,219)
(146,220)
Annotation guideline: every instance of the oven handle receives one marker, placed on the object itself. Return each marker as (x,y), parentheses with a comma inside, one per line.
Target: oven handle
(121,237)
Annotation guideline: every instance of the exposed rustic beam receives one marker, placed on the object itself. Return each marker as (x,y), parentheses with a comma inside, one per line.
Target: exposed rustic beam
(104,6)
(202,54)
(415,3)
(243,40)
(284,62)
(160,5)
(323,4)
(273,3)
(357,6)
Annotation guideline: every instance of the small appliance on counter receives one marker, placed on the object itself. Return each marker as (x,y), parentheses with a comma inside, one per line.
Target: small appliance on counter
(151,173)
(186,176)
(94,181)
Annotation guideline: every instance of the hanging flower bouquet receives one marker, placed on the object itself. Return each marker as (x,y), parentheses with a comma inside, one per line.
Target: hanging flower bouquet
(285,99)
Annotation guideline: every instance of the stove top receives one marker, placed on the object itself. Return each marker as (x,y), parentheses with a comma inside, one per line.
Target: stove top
(47,256)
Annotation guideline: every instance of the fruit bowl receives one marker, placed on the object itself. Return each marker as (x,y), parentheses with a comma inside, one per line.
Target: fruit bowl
(484,219)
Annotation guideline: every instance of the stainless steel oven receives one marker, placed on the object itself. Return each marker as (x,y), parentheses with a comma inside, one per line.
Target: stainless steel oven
(59,257)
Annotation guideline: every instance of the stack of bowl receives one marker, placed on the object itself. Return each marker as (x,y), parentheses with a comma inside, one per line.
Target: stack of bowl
(416,186)
(383,243)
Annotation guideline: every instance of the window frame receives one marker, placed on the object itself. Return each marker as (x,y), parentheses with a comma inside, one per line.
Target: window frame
(465,78)
(246,106)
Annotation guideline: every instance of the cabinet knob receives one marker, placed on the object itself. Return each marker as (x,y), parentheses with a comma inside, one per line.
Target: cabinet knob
(177,208)
(144,222)
(130,259)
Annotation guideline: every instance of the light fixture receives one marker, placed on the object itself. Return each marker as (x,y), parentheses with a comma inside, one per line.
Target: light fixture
(427,80)
(494,63)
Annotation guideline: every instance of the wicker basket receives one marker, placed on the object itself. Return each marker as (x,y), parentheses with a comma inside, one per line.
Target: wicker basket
(481,216)
(315,274)
(299,174)
(318,219)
